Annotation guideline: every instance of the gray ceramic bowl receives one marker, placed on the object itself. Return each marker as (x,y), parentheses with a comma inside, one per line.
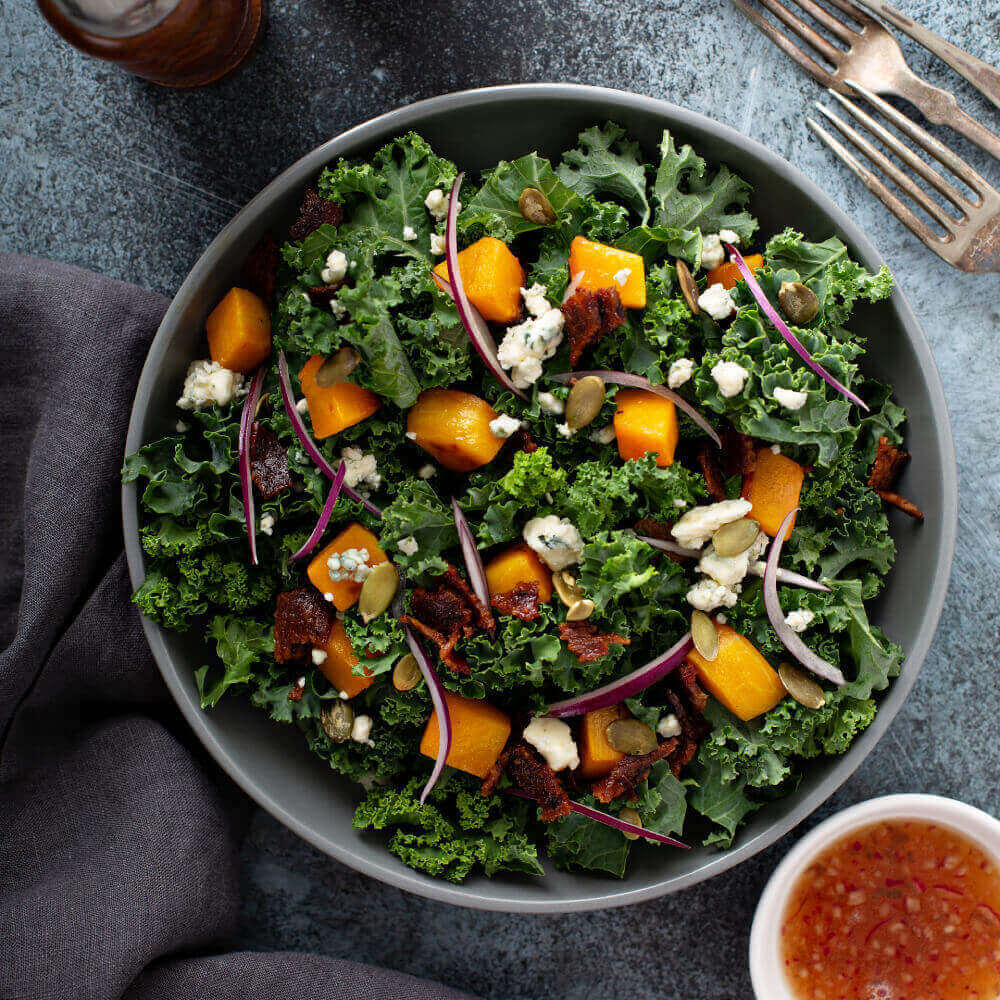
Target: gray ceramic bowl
(476,129)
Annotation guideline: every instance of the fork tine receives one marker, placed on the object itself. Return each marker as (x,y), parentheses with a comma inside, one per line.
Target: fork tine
(835,27)
(876,156)
(926,141)
(853,10)
(786,45)
(879,189)
(799,27)
(906,154)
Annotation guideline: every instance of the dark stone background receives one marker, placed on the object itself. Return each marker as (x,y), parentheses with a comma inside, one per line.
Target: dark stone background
(131,180)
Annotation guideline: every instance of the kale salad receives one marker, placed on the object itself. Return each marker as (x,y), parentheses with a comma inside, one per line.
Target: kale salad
(545,504)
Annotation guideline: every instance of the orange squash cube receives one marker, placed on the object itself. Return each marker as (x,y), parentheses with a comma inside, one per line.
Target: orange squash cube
(239,331)
(518,564)
(645,422)
(338,667)
(773,488)
(454,427)
(597,755)
(739,676)
(345,592)
(479,732)
(728,274)
(336,407)
(492,277)
(608,267)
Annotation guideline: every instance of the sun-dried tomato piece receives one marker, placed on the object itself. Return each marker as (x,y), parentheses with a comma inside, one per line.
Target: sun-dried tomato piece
(322,295)
(313,213)
(495,773)
(302,619)
(585,641)
(522,601)
(296,691)
(739,453)
(582,314)
(886,470)
(482,615)
(654,529)
(609,302)
(687,674)
(709,462)
(442,609)
(268,462)
(536,779)
(522,441)
(445,644)
(623,778)
(901,503)
(260,269)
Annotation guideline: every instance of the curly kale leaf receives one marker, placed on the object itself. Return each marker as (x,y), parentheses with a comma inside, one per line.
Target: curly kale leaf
(688,196)
(653,243)
(418,512)
(664,493)
(599,496)
(607,163)
(532,476)
(242,646)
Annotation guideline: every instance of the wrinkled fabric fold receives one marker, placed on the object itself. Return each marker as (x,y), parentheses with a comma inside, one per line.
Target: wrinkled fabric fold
(118,838)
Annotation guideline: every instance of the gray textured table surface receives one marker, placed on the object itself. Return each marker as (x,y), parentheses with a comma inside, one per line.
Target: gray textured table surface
(110,173)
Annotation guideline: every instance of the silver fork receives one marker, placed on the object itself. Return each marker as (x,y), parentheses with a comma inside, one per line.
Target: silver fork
(969,241)
(872,57)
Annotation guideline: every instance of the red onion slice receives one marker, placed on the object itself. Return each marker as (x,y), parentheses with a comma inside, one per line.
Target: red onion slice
(475,325)
(243,451)
(324,517)
(672,547)
(440,706)
(470,552)
(779,324)
(305,438)
(613,821)
(641,382)
(796,580)
(624,687)
(786,634)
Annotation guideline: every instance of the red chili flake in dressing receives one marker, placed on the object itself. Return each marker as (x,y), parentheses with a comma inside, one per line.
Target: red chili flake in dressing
(901,910)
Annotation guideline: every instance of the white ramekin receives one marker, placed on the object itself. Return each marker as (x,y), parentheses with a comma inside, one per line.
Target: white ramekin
(766,970)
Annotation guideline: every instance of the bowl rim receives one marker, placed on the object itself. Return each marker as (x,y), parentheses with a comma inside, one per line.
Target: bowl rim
(606,894)
(769,982)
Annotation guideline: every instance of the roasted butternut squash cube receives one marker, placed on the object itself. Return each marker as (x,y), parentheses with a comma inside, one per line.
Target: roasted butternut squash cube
(345,592)
(492,277)
(454,427)
(608,267)
(728,274)
(518,564)
(338,667)
(645,422)
(597,755)
(239,331)
(739,676)
(334,408)
(479,732)
(773,488)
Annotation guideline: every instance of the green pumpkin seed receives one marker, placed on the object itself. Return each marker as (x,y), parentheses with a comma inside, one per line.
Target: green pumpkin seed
(736,537)
(406,674)
(798,302)
(688,287)
(632,737)
(337,721)
(801,687)
(337,367)
(536,208)
(705,635)
(580,611)
(629,815)
(377,591)
(566,587)
(584,402)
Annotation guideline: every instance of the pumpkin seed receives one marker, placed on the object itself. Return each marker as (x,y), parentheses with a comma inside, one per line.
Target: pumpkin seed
(580,610)
(377,591)
(629,815)
(802,688)
(566,587)
(337,721)
(406,674)
(584,402)
(705,635)
(536,208)
(688,287)
(798,302)
(632,737)
(337,367)
(736,537)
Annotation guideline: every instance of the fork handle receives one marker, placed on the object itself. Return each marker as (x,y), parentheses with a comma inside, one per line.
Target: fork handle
(940,107)
(984,77)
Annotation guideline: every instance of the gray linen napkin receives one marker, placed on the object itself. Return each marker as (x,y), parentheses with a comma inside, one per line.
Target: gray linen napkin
(118,839)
